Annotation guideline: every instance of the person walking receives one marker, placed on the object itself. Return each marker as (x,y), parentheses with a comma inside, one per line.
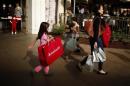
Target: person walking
(44,38)
(74,37)
(96,38)
(75,32)
(69,20)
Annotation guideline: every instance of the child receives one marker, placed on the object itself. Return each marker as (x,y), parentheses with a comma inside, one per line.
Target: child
(74,31)
(13,22)
(44,38)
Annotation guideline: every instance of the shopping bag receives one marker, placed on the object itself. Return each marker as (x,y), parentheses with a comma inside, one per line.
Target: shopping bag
(102,55)
(71,44)
(99,55)
(89,27)
(106,36)
(95,56)
(89,60)
(51,51)
(89,63)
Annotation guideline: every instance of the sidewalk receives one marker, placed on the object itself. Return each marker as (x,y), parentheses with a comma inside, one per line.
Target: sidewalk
(16,66)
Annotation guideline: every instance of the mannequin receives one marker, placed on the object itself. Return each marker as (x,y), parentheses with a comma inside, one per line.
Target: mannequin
(18,14)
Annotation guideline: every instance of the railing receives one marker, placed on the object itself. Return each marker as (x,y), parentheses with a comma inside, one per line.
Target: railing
(120,27)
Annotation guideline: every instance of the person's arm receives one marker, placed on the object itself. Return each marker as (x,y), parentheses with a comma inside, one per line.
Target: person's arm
(10,21)
(96,31)
(73,29)
(50,37)
(77,29)
(31,45)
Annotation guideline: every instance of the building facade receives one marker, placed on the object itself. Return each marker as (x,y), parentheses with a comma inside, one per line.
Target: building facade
(38,11)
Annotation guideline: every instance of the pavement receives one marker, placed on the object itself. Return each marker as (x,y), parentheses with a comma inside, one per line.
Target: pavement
(17,64)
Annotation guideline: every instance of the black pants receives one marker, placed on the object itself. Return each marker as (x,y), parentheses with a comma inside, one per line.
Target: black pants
(19,26)
(83,62)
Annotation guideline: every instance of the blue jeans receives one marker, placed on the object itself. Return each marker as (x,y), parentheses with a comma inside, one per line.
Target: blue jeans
(99,43)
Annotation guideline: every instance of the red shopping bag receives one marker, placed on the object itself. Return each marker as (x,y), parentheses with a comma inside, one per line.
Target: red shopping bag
(106,36)
(51,51)
(89,27)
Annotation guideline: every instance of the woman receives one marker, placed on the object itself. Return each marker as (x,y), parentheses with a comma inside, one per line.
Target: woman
(95,40)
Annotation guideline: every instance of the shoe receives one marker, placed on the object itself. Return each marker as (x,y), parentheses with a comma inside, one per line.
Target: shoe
(77,50)
(67,59)
(38,68)
(102,72)
(79,67)
(15,33)
(46,70)
(12,33)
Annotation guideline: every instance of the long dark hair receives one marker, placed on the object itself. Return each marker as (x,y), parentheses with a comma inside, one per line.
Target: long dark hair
(43,29)
(98,15)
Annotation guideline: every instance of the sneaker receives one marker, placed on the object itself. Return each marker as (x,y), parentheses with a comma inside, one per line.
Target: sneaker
(46,70)
(38,68)
(79,67)
(102,72)
(12,33)
(15,33)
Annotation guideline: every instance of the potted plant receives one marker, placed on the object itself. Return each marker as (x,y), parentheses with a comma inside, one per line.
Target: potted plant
(58,30)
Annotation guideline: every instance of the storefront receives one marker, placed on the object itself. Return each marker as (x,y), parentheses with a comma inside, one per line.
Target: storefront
(8,10)
(36,11)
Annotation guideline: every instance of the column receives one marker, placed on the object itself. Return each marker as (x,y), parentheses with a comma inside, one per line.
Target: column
(38,14)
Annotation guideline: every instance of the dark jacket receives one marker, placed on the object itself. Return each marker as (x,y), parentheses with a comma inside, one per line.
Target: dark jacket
(97,22)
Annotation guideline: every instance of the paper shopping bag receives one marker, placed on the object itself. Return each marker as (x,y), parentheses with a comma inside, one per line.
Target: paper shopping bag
(95,56)
(51,51)
(102,55)
(99,55)
(90,63)
(106,36)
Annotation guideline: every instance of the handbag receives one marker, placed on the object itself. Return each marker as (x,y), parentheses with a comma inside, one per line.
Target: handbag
(106,36)
(51,51)
(99,55)
(71,44)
